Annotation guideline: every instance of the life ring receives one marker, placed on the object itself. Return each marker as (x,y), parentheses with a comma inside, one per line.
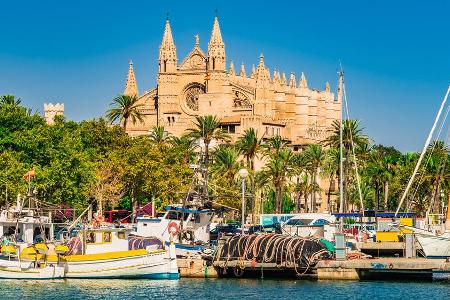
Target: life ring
(173,228)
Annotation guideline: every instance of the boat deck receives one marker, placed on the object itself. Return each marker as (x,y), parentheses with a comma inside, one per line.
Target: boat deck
(382,268)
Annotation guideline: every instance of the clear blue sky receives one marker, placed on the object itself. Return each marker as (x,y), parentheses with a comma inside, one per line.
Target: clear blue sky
(396,54)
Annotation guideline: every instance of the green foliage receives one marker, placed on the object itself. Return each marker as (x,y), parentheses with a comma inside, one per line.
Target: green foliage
(123,108)
(92,161)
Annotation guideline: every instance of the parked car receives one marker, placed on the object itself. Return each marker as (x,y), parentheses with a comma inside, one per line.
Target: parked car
(224,229)
(272,228)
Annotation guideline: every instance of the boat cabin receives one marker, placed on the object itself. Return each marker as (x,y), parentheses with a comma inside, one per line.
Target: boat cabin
(193,224)
(105,240)
(31,227)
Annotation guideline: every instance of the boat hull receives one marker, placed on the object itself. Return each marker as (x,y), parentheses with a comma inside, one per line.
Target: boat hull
(123,264)
(155,266)
(433,246)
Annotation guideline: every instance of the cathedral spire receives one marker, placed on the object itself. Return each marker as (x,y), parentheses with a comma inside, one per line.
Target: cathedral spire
(216,35)
(292,81)
(167,51)
(131,88)
(276,76)
(253,74)
(242,71)
(283,78)
(303,83)
(327,87)
(231,70)
(216,48)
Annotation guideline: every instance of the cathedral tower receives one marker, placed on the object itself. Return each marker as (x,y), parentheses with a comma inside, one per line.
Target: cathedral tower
(167,52)
(216,49)
(131,88)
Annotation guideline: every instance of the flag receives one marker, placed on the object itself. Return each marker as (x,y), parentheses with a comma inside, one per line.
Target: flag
(28,175)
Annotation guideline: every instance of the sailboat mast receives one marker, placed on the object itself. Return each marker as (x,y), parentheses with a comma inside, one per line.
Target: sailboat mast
(425,146)
(341,151)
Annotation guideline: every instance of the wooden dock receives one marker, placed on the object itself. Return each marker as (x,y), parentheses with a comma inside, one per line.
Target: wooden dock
(196,268)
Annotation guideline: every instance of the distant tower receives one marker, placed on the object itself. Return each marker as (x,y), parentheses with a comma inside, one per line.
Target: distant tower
(131,88)
(53,110)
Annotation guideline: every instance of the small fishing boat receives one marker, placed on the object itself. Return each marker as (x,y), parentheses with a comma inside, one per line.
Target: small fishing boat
(94,253)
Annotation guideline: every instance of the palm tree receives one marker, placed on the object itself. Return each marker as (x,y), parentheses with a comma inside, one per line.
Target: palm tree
(352,136)
(249,145)
(314,156)
(436,171)
(303,188)
(207,128)
(159,135)
(330,168)
(186,145)
(9,100)
(225,162)
(279,168)
(124,108)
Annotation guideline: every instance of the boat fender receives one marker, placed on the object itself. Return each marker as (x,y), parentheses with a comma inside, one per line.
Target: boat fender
(173,228)
(238,272)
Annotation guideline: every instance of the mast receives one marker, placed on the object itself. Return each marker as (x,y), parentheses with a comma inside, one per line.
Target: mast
(425,146)
(341,156)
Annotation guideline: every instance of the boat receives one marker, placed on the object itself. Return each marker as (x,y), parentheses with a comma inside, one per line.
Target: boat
(187,227)
(94,253)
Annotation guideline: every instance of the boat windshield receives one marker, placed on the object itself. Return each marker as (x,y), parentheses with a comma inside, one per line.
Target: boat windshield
(295,222)
(176,215)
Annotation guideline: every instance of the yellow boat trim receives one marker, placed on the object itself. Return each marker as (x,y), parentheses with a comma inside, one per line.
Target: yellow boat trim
(19,271)
(90,257)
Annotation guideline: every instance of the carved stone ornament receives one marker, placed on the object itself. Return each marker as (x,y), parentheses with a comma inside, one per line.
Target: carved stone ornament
(196,61)
(240,99)
(191,95)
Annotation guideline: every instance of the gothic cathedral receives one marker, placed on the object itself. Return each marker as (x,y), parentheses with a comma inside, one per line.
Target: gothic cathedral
(203,85)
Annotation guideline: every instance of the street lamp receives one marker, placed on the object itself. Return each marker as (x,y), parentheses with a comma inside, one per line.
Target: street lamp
(243,173)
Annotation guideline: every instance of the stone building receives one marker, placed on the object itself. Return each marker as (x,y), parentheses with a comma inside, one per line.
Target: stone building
(202,84)
(52,110)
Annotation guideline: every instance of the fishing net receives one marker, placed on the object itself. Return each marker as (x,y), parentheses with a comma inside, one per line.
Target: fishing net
(285,251)
(139,242)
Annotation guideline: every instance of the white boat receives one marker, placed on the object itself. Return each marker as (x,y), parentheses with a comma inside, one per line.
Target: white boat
(94,253)
(188,228)
(433,245)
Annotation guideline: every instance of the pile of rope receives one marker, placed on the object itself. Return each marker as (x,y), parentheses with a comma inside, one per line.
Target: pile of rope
(301,253)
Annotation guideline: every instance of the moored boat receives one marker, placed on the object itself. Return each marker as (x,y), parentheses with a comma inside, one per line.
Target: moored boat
(94,253)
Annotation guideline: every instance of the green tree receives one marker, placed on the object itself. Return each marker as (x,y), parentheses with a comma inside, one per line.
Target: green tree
(9,100)
(331,170)
(280,167)
(123,109)
(159,135)
(352,139)
(250,145)
(314,156)
(206,129)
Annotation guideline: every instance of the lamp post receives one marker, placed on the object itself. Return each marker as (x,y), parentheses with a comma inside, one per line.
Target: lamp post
(243,173)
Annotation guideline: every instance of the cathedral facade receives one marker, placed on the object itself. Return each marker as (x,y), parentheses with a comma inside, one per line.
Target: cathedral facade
(203,84)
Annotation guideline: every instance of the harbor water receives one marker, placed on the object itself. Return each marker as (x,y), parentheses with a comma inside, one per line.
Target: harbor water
(221,289)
